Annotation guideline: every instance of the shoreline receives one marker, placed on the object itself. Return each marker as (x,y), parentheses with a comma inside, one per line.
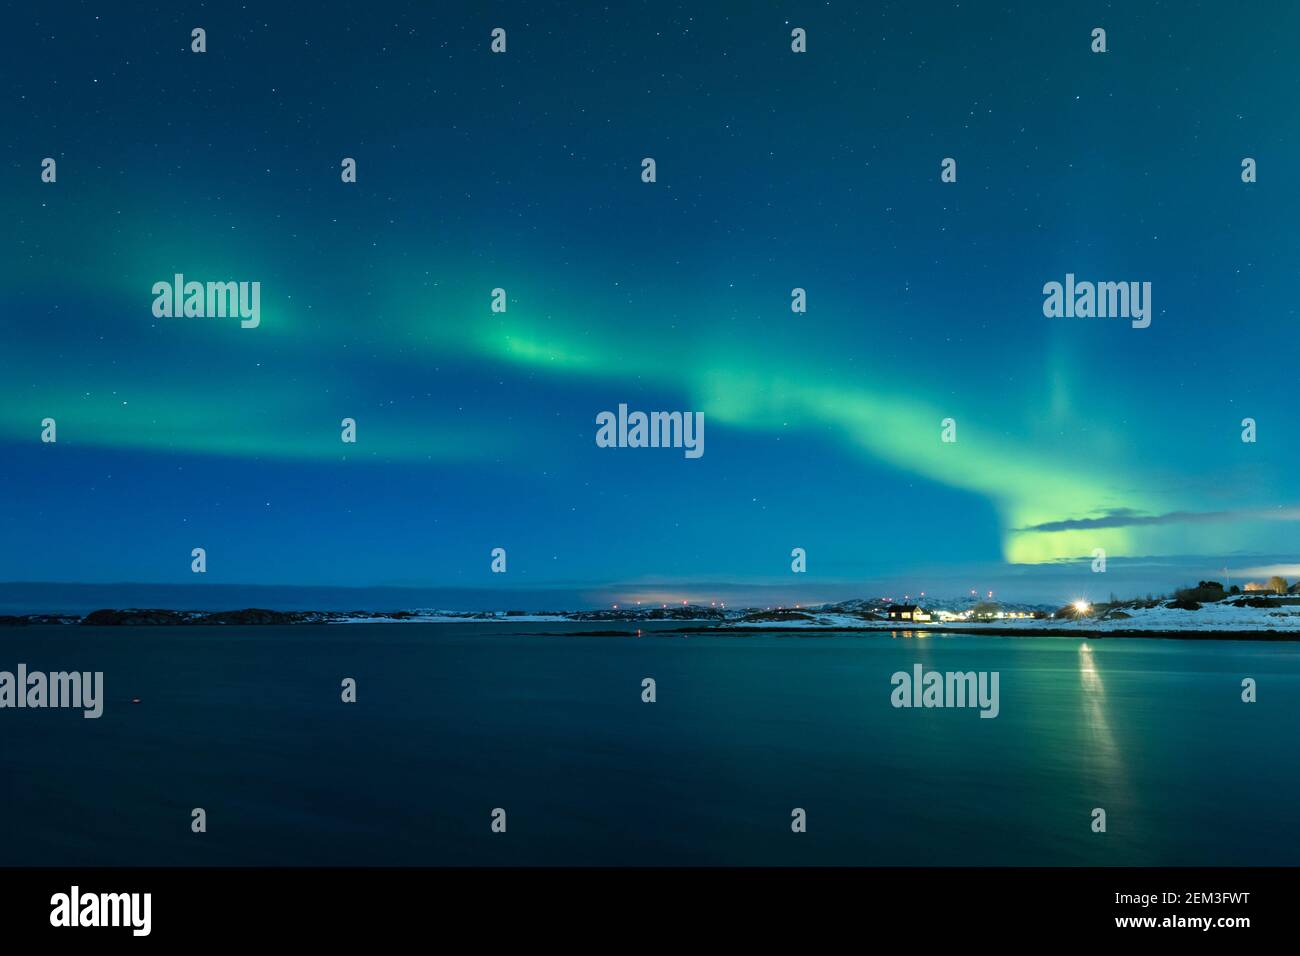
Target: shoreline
(1195,634)
(1238,620)
(695,628)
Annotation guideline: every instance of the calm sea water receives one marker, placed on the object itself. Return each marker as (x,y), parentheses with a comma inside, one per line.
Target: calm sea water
(454,720)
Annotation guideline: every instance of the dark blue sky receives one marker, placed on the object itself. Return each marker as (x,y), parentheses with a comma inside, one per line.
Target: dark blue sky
(775,170)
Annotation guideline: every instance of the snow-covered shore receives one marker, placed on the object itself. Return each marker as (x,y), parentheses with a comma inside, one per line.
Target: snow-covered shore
(1237,616)
(1216,618)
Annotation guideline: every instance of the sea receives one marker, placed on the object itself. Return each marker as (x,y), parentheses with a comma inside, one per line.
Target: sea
(548,735)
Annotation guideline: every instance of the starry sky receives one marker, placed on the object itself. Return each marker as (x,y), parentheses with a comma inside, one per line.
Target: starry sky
(775,170)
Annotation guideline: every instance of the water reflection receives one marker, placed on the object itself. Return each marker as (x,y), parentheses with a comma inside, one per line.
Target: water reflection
(1108,760)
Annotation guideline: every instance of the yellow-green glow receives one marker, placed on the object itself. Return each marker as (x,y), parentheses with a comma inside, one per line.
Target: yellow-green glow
(889,423)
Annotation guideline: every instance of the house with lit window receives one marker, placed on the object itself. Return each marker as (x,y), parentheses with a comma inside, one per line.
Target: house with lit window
(907,612)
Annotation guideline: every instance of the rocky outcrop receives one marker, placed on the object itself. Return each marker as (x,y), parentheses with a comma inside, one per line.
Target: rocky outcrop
(134,617)
(23,620)
(255,615)
(776,616)
(137,617)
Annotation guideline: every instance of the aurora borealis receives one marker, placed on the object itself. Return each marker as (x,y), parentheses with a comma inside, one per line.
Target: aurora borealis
(774,171)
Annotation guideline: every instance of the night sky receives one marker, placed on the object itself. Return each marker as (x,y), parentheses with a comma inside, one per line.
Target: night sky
(775,170)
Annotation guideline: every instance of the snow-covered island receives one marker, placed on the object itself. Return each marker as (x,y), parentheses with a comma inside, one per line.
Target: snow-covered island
(1207,610)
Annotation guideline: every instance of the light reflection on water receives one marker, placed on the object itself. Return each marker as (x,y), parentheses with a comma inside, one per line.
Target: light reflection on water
(453,720)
